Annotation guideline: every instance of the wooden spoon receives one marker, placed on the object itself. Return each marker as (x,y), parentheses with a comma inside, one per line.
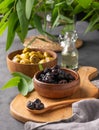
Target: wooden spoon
(55,105)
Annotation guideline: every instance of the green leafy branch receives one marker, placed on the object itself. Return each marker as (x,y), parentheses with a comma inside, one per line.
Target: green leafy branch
(91,9)
(19,16)
(23,82)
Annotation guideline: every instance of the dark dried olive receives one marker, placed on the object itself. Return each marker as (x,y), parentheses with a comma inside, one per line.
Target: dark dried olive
(37,100)
(30,105)
(46,70)
(56,67)
(41,106)
(35,104)
(55,75)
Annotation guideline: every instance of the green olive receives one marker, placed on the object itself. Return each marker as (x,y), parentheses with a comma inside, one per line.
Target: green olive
(46,54)
(42,61)
(16,59)
(32,57)
(26,50)
(48,59)
(24,61)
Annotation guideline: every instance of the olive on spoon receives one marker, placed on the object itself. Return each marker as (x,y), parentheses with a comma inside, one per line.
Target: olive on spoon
(37,107)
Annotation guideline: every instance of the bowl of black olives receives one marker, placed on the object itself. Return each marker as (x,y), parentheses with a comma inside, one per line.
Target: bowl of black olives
(56,82)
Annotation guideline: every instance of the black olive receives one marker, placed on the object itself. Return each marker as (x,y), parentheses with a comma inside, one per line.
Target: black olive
(55,75)
(36,104)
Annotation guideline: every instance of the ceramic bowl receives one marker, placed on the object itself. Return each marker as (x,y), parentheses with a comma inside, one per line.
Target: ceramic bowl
(50,90)
(29,69)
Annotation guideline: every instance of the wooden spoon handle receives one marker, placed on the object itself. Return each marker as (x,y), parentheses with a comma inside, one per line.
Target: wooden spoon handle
(64,103)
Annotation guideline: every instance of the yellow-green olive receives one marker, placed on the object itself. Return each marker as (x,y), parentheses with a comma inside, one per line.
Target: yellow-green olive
(26,50)
(42,61)
(24,61)
(46,54)
(48,59)
(32,57)
(17,58)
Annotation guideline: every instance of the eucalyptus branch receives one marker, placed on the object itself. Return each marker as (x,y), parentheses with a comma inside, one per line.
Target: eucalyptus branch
(32,13)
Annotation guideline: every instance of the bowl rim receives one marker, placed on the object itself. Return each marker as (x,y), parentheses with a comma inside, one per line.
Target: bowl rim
(53,84)
(52,53)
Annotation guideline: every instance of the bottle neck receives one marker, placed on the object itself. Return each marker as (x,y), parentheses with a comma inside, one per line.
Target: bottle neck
(70,39)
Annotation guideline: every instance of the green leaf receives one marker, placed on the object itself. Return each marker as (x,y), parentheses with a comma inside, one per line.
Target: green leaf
(11,29)
(40,67)
(20,7)
(56,22)
(30,85)
(67,19)
(18,31)
(23,82)
(78,9)
(27,78)
(55,12)
(21,75)
(13,82)
(95,5)
(38,23)
(4,22)
(4,18)
(5,3)
(85,4)
(23,87)
(93,21)
(29,5)
(60,3)
(50,2)
(3,27)
(69,2)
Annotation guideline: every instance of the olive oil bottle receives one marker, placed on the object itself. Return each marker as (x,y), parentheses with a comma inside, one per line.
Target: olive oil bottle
(69,55)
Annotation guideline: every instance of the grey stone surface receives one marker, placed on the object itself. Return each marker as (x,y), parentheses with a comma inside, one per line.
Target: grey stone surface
(88,56)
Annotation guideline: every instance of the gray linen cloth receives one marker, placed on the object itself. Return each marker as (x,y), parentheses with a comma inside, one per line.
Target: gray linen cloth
(85,117)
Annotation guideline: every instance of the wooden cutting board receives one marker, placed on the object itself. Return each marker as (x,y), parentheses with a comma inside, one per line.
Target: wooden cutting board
(87,90)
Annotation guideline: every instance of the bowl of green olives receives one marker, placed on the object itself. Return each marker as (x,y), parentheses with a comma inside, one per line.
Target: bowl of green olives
(27,60)
(56,82)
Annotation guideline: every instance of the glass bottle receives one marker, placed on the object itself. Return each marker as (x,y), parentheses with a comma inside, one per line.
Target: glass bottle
(69,54)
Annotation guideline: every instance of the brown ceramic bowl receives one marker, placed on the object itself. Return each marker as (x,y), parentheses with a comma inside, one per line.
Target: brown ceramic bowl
(49,90)
(29,69)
